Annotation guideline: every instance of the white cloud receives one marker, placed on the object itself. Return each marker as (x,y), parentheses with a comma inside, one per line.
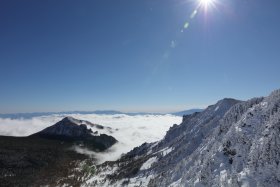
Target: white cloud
(132,130)
(25,127)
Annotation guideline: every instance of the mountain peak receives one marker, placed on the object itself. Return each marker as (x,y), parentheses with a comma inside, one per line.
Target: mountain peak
(68,127)
(223,105)
(275,94)
(227,101)
(69,118)
(73,130)
(230,143)
(72,120)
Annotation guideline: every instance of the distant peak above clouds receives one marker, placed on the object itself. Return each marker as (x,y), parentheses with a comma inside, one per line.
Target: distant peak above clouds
(73,130)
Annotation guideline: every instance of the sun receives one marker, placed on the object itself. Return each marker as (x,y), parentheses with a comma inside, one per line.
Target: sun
(206,3)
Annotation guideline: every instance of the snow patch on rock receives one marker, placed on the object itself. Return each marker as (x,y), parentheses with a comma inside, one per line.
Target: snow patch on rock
(149,163)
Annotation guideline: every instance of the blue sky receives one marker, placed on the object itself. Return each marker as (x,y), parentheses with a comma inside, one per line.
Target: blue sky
(132,55)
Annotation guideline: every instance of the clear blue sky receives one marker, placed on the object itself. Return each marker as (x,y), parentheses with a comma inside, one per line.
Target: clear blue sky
(130,55)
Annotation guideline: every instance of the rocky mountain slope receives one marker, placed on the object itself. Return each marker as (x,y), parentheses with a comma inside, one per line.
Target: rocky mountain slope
(48,158)
(231,143)
(26,161)
(76,131)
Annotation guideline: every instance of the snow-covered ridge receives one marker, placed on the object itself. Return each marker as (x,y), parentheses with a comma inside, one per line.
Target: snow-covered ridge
(231,143)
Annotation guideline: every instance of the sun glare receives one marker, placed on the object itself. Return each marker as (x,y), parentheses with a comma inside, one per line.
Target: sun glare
(206,3)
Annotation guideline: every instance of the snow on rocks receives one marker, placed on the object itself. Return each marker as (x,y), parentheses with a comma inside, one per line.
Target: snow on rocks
(149,163)
(232,143)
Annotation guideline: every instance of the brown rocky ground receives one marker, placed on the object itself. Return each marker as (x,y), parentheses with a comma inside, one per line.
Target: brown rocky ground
(27,161)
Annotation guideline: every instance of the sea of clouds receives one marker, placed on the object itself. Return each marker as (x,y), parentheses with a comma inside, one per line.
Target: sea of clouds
(133,130)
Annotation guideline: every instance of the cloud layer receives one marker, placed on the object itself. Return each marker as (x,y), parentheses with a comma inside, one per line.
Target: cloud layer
(132,130)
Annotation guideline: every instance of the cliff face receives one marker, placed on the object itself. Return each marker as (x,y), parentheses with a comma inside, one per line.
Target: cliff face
(231,143)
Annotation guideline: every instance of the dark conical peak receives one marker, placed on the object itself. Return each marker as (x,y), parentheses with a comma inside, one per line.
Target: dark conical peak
(76,132)
(69,127)
(71,120)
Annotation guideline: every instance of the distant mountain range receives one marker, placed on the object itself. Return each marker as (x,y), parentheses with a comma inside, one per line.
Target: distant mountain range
(37,114)
(105,112)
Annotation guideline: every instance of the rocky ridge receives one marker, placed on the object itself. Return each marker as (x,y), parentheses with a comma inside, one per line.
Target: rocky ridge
(231,143)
